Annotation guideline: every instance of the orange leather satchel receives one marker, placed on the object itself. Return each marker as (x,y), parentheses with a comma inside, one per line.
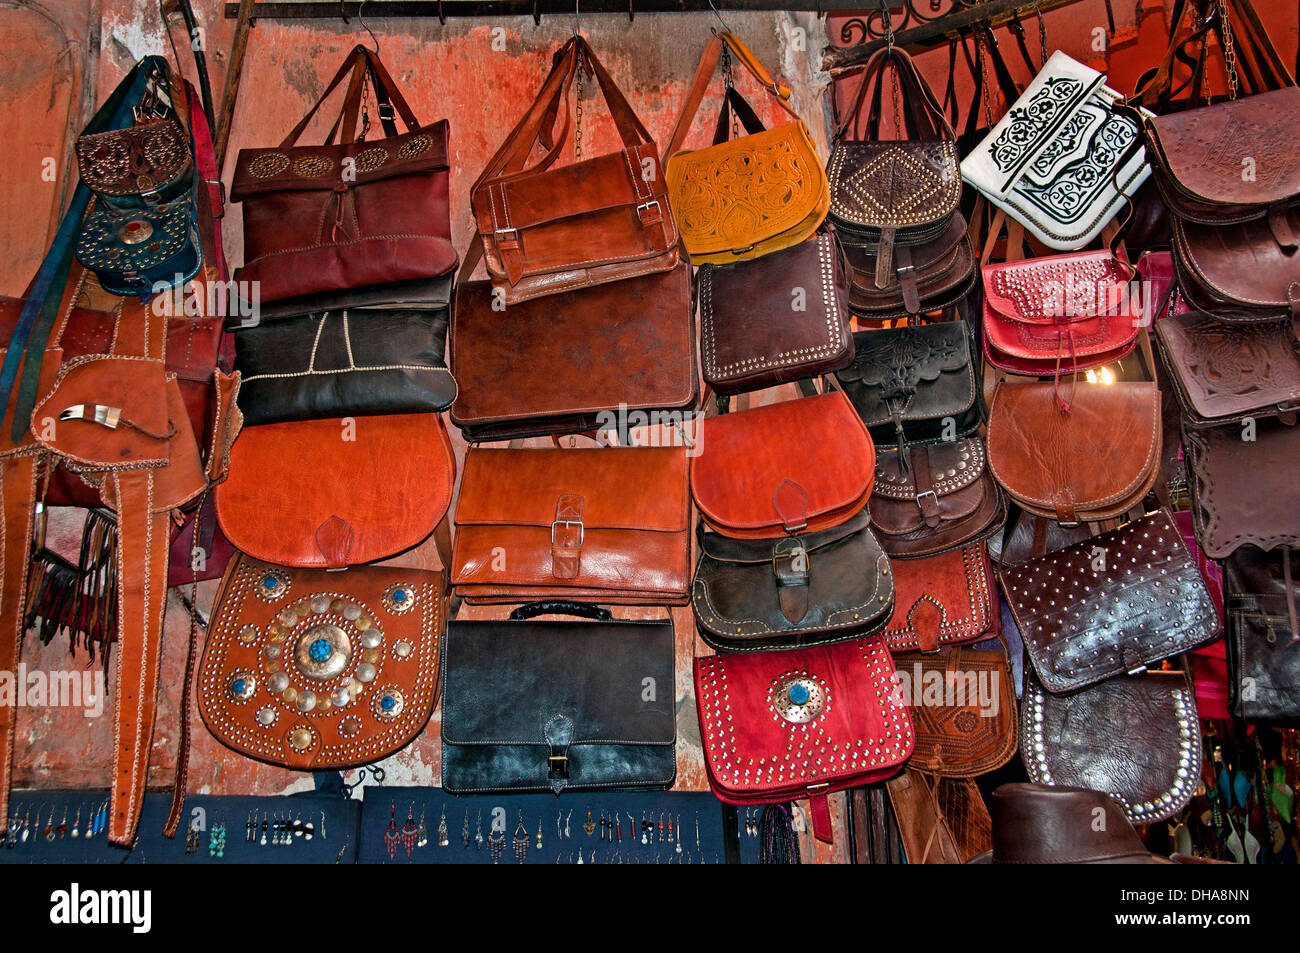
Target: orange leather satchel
(607,524)
(742,198)
(313,669)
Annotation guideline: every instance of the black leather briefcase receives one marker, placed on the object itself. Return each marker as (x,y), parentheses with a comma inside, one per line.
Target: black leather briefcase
(555,705)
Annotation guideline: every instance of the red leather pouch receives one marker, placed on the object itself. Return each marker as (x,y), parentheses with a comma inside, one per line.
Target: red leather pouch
(942,600)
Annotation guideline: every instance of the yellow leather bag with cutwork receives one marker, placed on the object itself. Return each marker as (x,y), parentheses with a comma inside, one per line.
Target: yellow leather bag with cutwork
(745,197)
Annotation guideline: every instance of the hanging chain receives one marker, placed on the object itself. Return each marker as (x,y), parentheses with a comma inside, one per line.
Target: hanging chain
(896,93)
(729,82)
(1229,53)
(577,126)
(365,110)
(1042,36)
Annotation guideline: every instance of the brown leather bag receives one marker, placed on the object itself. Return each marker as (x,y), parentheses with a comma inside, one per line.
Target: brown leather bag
(547,228)
(324,220)
(319,670)
(1047,456)
(929,275)
(942,600)
(609,524)
(940,820)
(776,319)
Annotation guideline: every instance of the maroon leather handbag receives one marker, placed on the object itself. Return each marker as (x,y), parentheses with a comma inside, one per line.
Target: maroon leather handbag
(327,220)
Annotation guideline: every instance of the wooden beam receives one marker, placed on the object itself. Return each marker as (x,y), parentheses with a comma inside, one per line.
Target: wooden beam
(397,9)
(234,69)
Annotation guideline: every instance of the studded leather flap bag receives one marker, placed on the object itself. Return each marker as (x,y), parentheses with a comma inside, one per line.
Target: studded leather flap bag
(1059,314)
(1110,605)
(327,219)
(779,726)
(914,384)
(792,592)
(1045,452)
(793,467)
(336,492)
(608,523)
(350,363)
(1063,158)
(746,197)
(946,599)
(558,705)
(932,498)
(777,319)
(1134,737)
(143,165)
(317,670)
(547,227)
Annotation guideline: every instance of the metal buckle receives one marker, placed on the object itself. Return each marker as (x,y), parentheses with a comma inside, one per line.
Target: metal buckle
(578,523)
(930,493)
(506,231)
(560,770)
(790,554)
(904,271)
(646,206)
(390,114)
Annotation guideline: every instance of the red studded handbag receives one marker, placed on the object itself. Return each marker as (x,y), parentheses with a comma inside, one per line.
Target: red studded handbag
(804,723)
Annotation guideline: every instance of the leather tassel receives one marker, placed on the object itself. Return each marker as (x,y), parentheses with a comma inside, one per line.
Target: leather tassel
(80,600)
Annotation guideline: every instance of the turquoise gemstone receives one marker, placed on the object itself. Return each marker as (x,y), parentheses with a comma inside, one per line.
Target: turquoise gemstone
(799,694)
(388,703)
(268,582)
(321,650)
(399,595)
(238,686)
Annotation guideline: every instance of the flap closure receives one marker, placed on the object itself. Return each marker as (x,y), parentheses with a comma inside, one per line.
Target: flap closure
(728,549)
(572,492)
(942,599)
(135,160)
(779,466)
(898,360)
(339,167)
(1062,289)
(555,684)
(944,468)
(894,184)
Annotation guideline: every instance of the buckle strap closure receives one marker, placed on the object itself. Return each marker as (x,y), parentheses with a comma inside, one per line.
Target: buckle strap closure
(558,732)
(567,536)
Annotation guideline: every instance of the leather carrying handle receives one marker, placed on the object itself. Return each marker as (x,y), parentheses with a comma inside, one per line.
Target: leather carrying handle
(918,98)
(583,610)
(360,61)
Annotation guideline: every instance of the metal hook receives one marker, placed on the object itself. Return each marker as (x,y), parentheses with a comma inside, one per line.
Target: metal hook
(631,11)
(366,27)
(442,17)
(537,16)
(577,17)
(717,14)
(887,21)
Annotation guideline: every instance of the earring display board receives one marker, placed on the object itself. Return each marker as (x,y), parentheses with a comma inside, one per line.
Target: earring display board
(403,826)
(70,827)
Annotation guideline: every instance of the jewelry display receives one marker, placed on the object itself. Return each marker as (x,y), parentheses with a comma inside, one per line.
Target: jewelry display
(443,840)
(464,831)
(391,835)
(520,842)
(217,840)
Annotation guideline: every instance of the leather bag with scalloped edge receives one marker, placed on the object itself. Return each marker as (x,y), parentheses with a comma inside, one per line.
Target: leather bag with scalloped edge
(548,228)
(313,669)
(768,721)
(743,198)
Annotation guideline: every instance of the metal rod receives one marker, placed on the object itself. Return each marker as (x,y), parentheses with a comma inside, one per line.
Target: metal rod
(397,9)
(995,12)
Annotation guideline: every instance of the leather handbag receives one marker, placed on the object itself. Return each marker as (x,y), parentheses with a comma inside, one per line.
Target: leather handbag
(1045,456)
(792,467)
(558,705)
(609,524)
(770,720)
(914,384)
(1263,637)
(942,600)
(892,195)
(140,166)
(1238,271)
(930,275)
(1064,157)
(1113,604)
(1229,475)
(1134,737)
(940,820)
(142,251)
(1046,316)
(322,220)
(743,198)
(343,364)
(336,492)
(811,589)
(933,498)
(537,370)
(547,228)
(317,670)
(778,319)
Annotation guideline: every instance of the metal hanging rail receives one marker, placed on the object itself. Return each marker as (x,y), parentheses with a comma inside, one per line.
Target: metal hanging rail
(380,9)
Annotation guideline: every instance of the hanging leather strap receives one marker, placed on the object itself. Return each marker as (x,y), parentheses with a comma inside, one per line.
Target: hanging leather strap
(360,61)
(927,116)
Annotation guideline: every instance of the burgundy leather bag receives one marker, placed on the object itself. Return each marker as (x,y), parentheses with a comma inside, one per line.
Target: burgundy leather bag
(329,219)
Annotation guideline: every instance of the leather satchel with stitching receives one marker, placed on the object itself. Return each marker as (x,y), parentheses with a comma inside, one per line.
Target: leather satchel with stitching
(746,197)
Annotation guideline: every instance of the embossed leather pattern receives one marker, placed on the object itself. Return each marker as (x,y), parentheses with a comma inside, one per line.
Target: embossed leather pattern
(1135,738)
(330,218)
(1058,314)
(1230,476)
(611,524)
(344,363)
(905,381)
(963,705)
(940,820)
(780,318)
(1263,645)
(941,600)
(317,670)
(1225,369)
(931,498)
(519,715)
(570,362)
(782,725)
(801,465)
(146,164)
(1199,156)
(548,228)
(894,184)
(1063,157)
(1111,604)
(788,593)
(1047,459)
